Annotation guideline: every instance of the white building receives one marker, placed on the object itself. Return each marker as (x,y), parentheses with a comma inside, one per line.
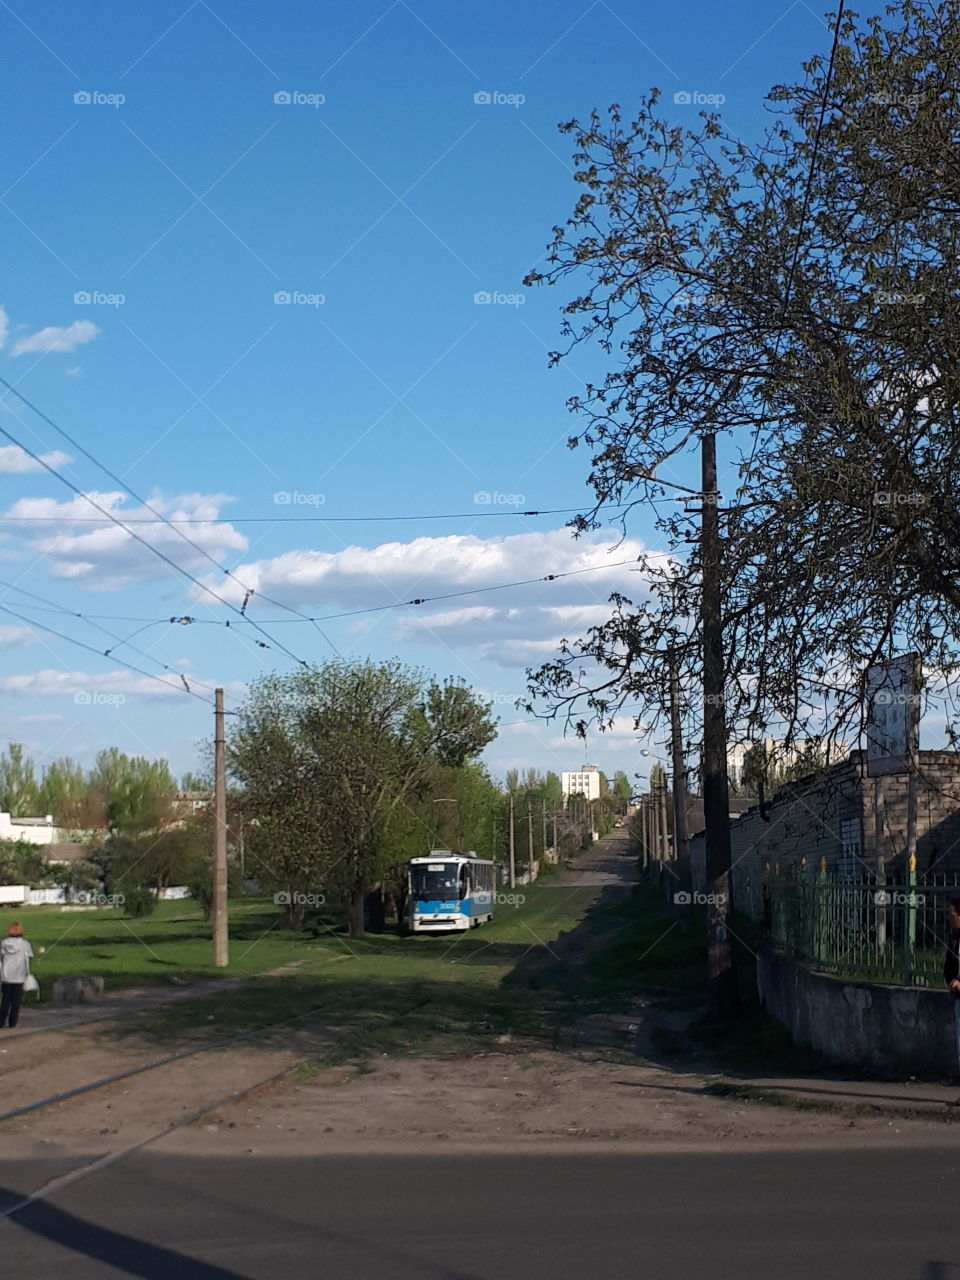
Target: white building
(585,781)
(781,756)
(32,830)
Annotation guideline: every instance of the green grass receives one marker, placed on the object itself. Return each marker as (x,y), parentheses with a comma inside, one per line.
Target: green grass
(172,943)
(533,971)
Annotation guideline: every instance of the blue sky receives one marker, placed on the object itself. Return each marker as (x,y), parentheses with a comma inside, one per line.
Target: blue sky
(159,204)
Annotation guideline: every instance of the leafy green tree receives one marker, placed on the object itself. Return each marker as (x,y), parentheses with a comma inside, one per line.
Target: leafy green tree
(64,792)
(796,295)
(18,783)
(326,756)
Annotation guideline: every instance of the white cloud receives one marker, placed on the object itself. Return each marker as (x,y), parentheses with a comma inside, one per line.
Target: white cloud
(11,637)
(4,325)
(67,684)
(103,556)
(53,340)
(360,577)
(15,461)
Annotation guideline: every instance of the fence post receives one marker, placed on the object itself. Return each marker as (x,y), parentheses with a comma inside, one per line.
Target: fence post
(822,915)
(910,921)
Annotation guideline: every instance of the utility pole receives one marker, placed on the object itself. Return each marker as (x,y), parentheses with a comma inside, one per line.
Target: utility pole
(529,841)
(513,860)
(664,826)
(721,977)
(681,834)
(218,914)
(544,806)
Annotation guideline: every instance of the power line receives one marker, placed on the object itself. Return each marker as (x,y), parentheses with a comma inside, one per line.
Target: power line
(183,687)
(213,520)
(351,613)
(110,516)
(53,607)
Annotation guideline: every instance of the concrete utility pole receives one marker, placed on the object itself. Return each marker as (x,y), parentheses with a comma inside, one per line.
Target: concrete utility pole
(529,840)
(218,914)
(681,834)
(721,977)
(513,860)
(664,825)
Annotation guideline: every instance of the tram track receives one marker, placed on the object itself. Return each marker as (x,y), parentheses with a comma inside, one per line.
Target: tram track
(168,1060)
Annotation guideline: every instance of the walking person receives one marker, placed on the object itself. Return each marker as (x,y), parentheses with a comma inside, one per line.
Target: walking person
(15,956)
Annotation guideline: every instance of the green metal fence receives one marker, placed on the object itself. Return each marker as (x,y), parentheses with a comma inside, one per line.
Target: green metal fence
(879,932)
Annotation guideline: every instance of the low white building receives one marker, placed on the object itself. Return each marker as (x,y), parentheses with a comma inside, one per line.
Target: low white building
(32,830)
(585,781)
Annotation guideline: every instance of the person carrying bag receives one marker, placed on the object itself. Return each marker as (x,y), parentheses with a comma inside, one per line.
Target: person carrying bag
(15,976)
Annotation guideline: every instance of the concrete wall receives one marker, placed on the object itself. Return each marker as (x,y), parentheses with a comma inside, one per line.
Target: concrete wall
(893,1030)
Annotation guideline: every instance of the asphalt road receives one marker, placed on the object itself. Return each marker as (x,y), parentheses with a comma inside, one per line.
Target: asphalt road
(880,1214)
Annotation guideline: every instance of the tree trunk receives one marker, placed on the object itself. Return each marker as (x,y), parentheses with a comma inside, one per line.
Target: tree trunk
(376,910)
(294,913)
(355,912)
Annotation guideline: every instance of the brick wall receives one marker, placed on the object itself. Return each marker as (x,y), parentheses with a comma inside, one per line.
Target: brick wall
(835,817)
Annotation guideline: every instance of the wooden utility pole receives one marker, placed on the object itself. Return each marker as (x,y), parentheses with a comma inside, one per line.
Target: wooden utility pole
(721,978)
(664,825)
(218,914)
(513,860)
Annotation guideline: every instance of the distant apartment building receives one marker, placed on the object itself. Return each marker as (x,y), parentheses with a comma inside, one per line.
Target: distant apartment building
(783,756)
(585,781)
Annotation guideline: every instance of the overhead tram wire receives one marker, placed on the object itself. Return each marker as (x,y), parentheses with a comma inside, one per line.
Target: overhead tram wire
(143,502)
(155,550)
(183,687)
(451,515)
(351,613)
(53,607)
